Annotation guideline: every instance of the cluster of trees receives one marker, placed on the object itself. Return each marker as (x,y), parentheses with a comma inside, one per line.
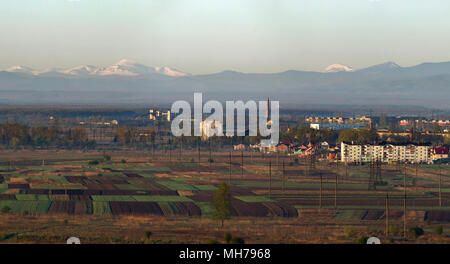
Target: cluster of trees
(304,135)
(358,136)
(16,135)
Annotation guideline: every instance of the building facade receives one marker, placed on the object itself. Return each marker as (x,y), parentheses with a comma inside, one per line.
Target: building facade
(388,153)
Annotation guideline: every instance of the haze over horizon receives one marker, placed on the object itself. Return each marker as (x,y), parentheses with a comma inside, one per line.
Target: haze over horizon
(202,37)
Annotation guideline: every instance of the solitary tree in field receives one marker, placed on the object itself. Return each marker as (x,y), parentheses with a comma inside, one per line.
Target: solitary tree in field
(222,204)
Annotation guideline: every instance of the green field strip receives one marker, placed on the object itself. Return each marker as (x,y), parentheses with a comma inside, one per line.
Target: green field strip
(177,186)
(113,198)
(188,164)
(254,199)
(380,207)
(350,214)
(40,207)
(161,198)
(147,175)
(205,187)
(150,168)
(32,197)
(178,179)
(59,187)
(206,208)
(130,187)
(113,174)
(3,187)
(306,185)
(101,208)
(56,179)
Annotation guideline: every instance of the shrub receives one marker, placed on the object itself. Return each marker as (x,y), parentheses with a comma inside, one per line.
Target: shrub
(212,242)
(362,240)
(237,240)
(93,162)
(416,231)
(210,160)
(438,230)
(228,238)
(107,158)
(349,233)
(6,209)
(123,161)
(148,234)
(394,230)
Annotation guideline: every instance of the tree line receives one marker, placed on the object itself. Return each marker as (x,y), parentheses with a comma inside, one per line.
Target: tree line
(16,135)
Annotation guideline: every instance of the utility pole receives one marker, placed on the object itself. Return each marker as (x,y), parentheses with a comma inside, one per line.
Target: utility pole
(320,196)
(210,150)
(153,147)
(387,215)
(404,204)
(278,161)
(170,150)
(270,177)
(417,172)
(181,148)
(284,178)
(335,191)
(242,164)
(198,149)
(230,169)
(440,183)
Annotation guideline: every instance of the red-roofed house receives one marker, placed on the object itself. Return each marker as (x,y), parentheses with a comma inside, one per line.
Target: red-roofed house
(440,153)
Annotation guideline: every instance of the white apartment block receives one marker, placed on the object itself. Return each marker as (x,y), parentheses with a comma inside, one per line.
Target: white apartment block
(388,153)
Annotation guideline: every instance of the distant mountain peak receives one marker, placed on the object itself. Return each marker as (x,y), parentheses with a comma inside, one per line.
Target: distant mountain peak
(20,69)
(390,64)
(169,71)
(338,68)
(387,66)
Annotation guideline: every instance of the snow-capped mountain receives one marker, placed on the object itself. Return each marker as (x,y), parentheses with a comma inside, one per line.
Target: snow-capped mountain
(125,68)
(20,69)
(338,68)
(81,70)
(122,68)
(168,71)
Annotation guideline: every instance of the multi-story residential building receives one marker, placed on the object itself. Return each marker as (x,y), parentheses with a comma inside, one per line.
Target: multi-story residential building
(387,153)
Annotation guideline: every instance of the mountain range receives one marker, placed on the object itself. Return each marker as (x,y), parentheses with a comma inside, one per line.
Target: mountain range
(130,83)
(122,68)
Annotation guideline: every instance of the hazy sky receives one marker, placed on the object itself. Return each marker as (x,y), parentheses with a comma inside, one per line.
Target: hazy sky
(205,36)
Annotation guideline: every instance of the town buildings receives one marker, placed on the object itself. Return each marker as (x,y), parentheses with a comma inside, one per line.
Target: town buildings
(386,153)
